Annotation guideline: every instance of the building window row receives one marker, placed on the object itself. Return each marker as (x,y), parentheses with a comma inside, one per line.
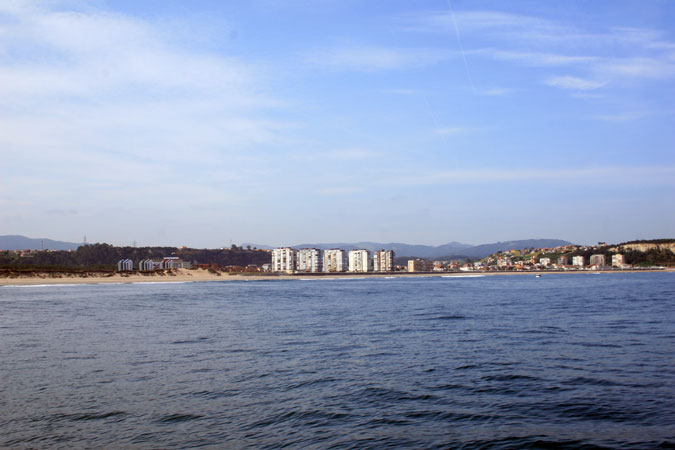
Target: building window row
(312,260)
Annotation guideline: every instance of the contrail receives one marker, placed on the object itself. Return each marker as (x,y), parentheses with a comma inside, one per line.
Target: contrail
(461,47)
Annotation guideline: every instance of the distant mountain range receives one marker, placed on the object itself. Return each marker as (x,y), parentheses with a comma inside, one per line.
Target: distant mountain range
(16,242)
(451,250)
(446,251)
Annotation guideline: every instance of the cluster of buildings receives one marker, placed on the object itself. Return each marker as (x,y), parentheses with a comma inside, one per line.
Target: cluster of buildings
(515,260)
(313,260)
(144,265)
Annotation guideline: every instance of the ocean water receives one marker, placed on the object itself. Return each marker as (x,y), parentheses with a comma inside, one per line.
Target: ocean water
(564,361)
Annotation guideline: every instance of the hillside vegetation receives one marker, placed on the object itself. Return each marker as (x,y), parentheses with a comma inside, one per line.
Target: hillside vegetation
(105,257)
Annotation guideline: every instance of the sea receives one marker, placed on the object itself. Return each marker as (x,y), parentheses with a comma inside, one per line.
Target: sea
(476,362)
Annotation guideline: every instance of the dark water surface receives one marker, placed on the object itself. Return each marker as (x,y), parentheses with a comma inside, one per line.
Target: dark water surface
(565,361)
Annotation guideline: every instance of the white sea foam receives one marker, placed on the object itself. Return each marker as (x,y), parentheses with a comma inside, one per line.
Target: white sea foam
(45,285)
(462,276)
(328,278)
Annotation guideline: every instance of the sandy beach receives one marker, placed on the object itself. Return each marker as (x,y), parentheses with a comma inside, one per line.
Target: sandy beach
(200,275)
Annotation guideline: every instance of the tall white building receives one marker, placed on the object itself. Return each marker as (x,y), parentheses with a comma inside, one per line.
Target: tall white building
(283,259)
(359,261)
(418,265)
(308,260)
(598,260)
(618,260)
(578,261)
(334,260)
(383,261)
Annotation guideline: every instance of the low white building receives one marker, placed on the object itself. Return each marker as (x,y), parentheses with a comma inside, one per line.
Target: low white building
(383,261)
(335,260)
(308,260)
(172,262)
(283,259)
(359,261)
(145,265)
(545,261)
(125,264)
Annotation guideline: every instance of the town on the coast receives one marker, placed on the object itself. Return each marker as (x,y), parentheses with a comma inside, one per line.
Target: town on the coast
(289,260)
(103,260)
(569,257)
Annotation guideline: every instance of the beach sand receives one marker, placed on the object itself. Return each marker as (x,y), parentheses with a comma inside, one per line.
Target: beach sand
(198,275)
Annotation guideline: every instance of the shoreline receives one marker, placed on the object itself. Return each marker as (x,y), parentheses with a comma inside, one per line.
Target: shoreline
(201,275)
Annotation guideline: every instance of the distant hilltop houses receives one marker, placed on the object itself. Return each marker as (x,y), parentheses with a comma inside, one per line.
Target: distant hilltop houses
(568,257)
(145,265)
(562,258)
(313,260)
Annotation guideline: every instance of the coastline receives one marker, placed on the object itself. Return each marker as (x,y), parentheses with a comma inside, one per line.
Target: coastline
(201,275)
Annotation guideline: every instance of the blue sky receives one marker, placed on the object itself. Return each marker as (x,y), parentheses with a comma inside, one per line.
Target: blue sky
(279,122)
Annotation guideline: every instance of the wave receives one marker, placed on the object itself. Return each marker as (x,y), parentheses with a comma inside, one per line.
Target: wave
(47,285)
(462,276)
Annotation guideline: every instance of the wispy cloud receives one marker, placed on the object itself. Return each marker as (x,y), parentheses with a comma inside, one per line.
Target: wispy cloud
(574,83)
(622,116)
(366,58)
(448,131)
(346,154)
(131,91)
(536,59)
(496,22)
(644,67)
(342,190)
(404,91)
(637,53)
(593,175)
(494,91)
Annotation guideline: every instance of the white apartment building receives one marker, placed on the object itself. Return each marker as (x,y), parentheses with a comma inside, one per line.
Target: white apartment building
(618,260)
(359,261)
(578,261)
(308,260)
(283,259)
(418,265)
(334,260)
(383,261)
(545,261)
(504,262)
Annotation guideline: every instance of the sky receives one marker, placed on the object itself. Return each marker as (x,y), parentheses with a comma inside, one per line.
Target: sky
(206,123)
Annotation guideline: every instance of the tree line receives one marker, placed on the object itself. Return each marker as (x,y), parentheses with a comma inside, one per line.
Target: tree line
(105,257)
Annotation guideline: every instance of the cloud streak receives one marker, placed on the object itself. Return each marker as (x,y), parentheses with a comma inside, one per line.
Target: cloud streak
(368,58)
(574,83)
(645,54)
(125,91)
(593,175)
